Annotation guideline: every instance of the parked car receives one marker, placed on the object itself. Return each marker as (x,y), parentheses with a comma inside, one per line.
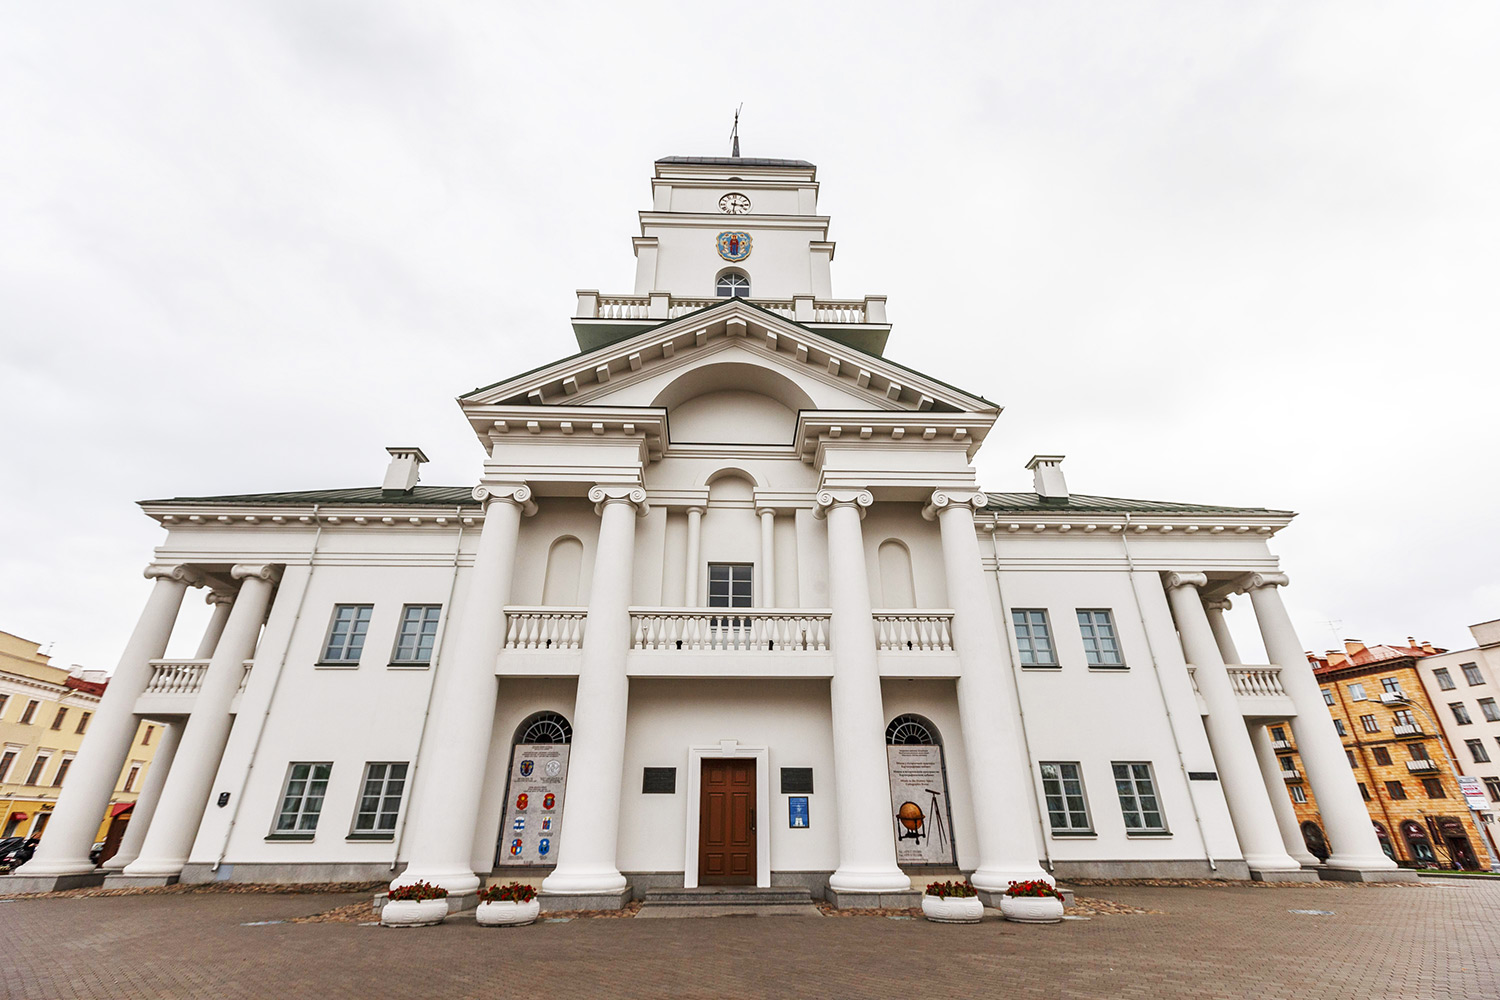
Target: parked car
(15,852)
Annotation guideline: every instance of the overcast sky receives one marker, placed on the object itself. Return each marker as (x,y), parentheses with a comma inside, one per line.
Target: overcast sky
(1228,253)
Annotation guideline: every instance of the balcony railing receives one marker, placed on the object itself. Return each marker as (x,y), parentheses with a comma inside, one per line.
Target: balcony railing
(662,306)
(1412,729)
(738,629)
(176,676)
(245,677)
(1292,775)
(914,631)
(1257,682)
(1282,746)
(544,628)
(1422,765)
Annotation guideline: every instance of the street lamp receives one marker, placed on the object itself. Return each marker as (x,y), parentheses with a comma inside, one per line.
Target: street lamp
(1398,698)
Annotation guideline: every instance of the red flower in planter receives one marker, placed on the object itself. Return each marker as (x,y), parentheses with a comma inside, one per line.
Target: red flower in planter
(954,890)
(1032,889)
(417,892)
(514,892)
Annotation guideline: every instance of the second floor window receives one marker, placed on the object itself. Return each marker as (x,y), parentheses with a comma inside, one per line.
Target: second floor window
(1472,673)
(1460,713)
(730,585)
(1444,679)
(346,635)
(1033,638)
(419,623)
(1101,647)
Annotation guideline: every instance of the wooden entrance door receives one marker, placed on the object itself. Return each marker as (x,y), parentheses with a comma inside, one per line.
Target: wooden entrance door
(726,823)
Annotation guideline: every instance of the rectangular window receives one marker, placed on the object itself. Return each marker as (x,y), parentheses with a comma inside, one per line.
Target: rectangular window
(1349,754)
(1101,647)
(6,760)
(1434,788)
(731,585)
(62,771)
(1338,727)
(1364,791)
(1460,714)
(1137,791)
(1394,790)
(34,776)
(1418,751)
(419,624)
(1067,807)
(380,800)
(29,711)
(4,700)
(1444,679)
(1477,751)
(1033,638)
(1472,673)
(135,772)
(1327,696)
(1489,710)
(1278,733)
(146,739)
(1390,685)
(1356,692)
(57,720)
(1299,794)
(1382,756)
(346,635)
(1492,785)
(1369,723)
(302,799)
(1405,718)
(83,721)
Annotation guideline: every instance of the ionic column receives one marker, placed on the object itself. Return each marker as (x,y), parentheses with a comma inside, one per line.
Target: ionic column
(444,809)
(1215,611)
(1345,819)
(1239,774)
(767,557)
(180,808)
(221,604)
(694,546)
(85,796)
(1281,802)
(999,776)
(586,862)
(867,846)
(150,795)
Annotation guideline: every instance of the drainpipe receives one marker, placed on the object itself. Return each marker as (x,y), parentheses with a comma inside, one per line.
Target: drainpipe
(437,659)
(1140,613)
(1005,628)
(239,795)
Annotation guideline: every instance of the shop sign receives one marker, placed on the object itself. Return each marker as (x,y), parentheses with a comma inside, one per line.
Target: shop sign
(1473,792)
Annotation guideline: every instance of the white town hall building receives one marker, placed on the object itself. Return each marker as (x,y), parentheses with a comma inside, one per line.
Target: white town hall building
(726,607)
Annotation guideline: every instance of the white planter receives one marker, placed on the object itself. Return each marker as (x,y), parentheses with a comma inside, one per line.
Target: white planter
(1032,909)
(953,910)
(413,912)
(507,914)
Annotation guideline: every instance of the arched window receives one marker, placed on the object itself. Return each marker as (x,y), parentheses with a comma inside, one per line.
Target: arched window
(545,727)
(1385,841)
(1417,842)
(732,284)
(911,730)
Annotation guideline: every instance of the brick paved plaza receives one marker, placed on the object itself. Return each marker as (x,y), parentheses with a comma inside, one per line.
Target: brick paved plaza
(1438,940)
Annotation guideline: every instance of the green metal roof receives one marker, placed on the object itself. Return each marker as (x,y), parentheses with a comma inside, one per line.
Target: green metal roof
(1034,503)
(420,496)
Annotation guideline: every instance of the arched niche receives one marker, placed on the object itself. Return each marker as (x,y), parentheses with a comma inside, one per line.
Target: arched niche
(564,570)
(733,403)
(897,589)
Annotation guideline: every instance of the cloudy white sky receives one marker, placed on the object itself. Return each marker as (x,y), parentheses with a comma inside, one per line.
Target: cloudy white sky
(1238,253)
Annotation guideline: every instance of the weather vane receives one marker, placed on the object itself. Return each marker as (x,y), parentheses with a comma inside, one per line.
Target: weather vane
(734,133)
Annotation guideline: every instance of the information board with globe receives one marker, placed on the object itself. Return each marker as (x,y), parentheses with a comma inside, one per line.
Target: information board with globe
(919,803)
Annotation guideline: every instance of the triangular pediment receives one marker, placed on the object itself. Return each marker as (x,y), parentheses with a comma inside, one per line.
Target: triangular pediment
(636,371)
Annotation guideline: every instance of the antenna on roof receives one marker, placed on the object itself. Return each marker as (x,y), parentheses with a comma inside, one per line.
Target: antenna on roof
(734,133)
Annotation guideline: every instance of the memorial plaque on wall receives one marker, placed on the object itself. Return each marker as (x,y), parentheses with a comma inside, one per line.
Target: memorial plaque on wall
(919,805)
(534,804)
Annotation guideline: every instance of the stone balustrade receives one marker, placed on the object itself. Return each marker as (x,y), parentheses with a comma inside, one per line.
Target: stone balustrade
(804,309)
(176,676)
(545,628)
(737,629)
(914,631)
(1257,682)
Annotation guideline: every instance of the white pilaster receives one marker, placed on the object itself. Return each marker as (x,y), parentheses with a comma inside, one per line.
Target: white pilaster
(867,846)
(694,547)
(451,763)
(1281,802)
(998,772)
(85,796)
(1347,822)
(587,853)
(767,557)
(1239,774)
(183,799)
(150,795)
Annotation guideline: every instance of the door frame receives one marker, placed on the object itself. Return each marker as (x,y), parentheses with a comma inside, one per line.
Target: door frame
(731,749)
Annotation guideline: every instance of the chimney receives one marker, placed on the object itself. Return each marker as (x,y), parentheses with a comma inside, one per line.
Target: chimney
(1354,647)
(1336,658)
(401,475)
(1047,473)
(1428,647)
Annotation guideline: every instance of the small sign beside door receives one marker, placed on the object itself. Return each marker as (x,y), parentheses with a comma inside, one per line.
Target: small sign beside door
(797,817)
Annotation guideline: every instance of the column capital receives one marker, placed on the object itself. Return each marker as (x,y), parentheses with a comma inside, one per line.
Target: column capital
(1222,604)
(1255,581)
(1175,580)
(181,573)
(607,493)
(260,571)
(763,510)
(829,499)
(218,597)
(696,509)
(942,500)
(516,493)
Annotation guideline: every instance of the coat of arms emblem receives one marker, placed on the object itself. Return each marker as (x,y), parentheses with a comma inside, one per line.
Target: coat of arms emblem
(526,768)
(734,246)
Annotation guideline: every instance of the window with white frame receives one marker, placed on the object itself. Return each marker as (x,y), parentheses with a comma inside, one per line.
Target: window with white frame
(1327,697)
(1101,647)
(1489,709)
(380,799)
(62,770)
(1369,723)
(83,722)
(57,720)
(302,798)
(419,625)
(346,634)
(1477,751)
(1357,692)
(4,700)
(732,285)
(131,776)
(1033,637)
(731,585)
(7,760)
(1472,673)
(1136,787)
(1444,679)
(1067,806)
(38,765)
(29,712)
(1299,794)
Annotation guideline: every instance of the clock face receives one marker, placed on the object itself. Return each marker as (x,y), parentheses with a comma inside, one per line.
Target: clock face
(734,203)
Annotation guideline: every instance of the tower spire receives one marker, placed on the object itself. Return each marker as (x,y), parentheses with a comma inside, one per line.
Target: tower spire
(734,134)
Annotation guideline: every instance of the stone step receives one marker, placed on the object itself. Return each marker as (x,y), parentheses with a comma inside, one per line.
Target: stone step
(728,895)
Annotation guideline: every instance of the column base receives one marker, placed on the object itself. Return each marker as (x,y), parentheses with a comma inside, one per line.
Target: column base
(1283,875)
(997,880)
(1364,874)
(14,884)
(117,880)
(585,883)
(895,899)
(877,881)
(552,902)
(460,882)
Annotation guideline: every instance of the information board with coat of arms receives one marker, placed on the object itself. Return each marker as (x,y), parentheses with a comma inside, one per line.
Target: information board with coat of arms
(534,804)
